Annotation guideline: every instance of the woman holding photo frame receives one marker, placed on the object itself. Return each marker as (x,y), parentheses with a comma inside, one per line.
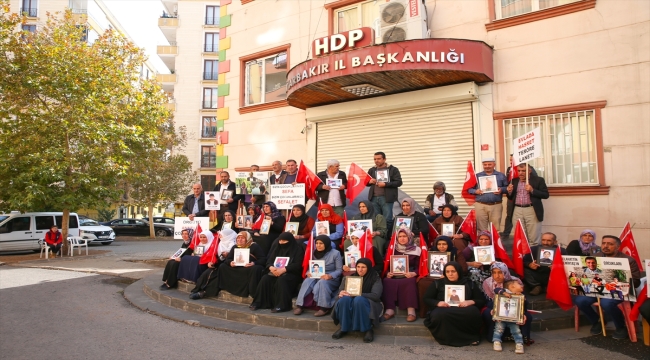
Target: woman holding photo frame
(305,222)
(170,279)
(477,271)
(449,216)
(326,213)
(242,280)
(379,227)
(420,222)
(191,267)
(227,217)
(441,244)
(270,212)
(206,284)
(357,247)
(402,291)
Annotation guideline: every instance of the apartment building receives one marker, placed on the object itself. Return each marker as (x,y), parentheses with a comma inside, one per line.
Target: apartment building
(433,84)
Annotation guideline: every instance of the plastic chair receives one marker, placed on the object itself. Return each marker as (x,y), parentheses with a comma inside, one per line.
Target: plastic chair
(77,242)
(625,308)
(46,249)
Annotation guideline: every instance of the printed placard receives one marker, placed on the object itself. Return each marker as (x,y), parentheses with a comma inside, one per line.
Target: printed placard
(356,225)
(184,223)
(252,183)
(334,183)
(242,256)
(178,253)
(316,268)
(602,277)
(546,255)
(212,200)
(484,254)
(285,196)
(527,147)
(454,294)
(322,228)
(353,285)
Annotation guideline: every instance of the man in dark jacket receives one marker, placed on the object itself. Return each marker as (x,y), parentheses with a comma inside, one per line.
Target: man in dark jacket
(507,228)
(383,188)
(194,204)
(278,175)
(535,274)
(226,184)
(330,194)
(528,202)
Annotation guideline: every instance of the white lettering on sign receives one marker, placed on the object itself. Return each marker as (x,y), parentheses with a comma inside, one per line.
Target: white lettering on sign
(527,147)
(337,42)
(413,6)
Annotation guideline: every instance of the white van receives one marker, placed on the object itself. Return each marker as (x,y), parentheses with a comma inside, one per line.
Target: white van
(23,231)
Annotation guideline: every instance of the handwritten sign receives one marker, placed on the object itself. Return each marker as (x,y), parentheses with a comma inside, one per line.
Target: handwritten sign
(285,196)
(182,223)
(527,147)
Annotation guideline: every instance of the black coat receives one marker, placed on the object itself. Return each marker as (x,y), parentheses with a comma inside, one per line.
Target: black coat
(325,194)
(188,205)
(540,191)
(391,187)
(231,186)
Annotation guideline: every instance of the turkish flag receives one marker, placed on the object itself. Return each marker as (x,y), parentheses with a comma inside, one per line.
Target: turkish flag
(258,224)
(500,251)
(345,228)
(469,225)
(424,258)
(195,236)
(640,299)
(365,246)
(357,181)
(210,255)
(389,253)
(470,182)
(513,171)
(433,234)
(628,246)
(309,250)
(558,286)
(311,181)
(520,248)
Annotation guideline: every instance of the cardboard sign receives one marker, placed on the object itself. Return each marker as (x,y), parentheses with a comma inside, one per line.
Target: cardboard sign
(285,196)
(527,147)
(183,223)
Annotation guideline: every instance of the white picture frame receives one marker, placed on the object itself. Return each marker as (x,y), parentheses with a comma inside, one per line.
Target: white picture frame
(488,183)
(363,225)
(265,227)
(292,227)
(447,230)
(382,176)
(454,294)
(241,256)
(281,262)
(212,200)
(334,183)
(322,228)
(351,258)
(484,254)
(316,268)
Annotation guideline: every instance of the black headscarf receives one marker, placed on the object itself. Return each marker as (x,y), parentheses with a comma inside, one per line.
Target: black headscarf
(302,219)
(453,212)
(370,215)
(371,275)
(461,279)
(450,246)
(328,246)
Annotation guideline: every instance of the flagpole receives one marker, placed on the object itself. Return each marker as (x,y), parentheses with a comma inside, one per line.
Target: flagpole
(602,320)
(526,173)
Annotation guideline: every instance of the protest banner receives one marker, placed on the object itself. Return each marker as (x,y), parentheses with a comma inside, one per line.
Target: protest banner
(603,277)
(527,147)
(182,223)
(285,196)
(251,183)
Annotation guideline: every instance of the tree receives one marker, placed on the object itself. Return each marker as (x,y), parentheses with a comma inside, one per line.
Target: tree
(74,117)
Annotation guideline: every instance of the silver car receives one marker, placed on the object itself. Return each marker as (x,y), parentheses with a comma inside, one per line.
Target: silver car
(95,233)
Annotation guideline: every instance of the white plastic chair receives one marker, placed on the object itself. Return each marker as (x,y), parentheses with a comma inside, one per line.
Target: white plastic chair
(77,242)
(46,249)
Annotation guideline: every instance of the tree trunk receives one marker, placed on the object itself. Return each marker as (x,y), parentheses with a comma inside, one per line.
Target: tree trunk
(152,231)
(65,222)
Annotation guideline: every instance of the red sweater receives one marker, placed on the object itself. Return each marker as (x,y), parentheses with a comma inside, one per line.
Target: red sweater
(53,238)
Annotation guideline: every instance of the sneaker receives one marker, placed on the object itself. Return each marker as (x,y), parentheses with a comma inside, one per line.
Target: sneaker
(620,334)
(496,346)
(536,290)
(596,329)
(519,348)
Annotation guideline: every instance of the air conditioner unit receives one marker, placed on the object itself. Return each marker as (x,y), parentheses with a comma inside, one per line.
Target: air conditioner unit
(402,20)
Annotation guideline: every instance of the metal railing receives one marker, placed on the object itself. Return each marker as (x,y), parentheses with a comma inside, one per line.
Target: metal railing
(211,47)
(210,104)
(211,75)
(211,20)
(31,12)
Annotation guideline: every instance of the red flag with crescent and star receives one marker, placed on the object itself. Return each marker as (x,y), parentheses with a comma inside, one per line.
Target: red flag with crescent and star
(424,259)
(470,182)
(365,246)
(520,248)
(433,234)
(311,181)
(500,251)
(628,245)
(558,285)
(357,181)
(469,225)
(389,252)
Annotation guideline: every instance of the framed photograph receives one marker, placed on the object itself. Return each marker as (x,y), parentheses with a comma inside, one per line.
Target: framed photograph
(322,228)
(437,262)
(248,221)
(178,253)
(239,221)
(454,294)
(281,262)
(351,258)
(242,256)
(399,264)
(447,230)
(404,222)
(546,255)
(484,254)
(226,225)
(488,183)
(316,268)
(509,309)
(334,183)
(199,250)
(266,226)
(292,227)
(382,176)
(353,285)
(363,225)
(211,200)
(226,195)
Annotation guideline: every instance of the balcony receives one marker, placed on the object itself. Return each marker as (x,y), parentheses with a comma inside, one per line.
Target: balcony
(168,25)
(166,78)
(167,54)
(29,12)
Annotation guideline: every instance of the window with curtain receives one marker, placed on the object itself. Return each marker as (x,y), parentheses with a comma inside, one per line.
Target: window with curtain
(29,8)
(212,15)
(210,98)
(208,181)
(266,79)
(363,14)
(208,156)
(568,149)
(210,69)
(509,8)
(209,127)
(211,42)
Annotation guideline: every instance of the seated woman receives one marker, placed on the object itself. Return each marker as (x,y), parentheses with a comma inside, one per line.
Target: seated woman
(454,325)
(500,274)
(450,216)
(206,284)
(54,240)
(227,221)
(322,290)
(401,290)
(277,288)
(585,245)
(359,313)
(169,279)
(242,280)
(270,212)
(305,223)
(476,270)
(442,244)
(191,267)
(360,248)
(419,222)
(379,228)
(326,213)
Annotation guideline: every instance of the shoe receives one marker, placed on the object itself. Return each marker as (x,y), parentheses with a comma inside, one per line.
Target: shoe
(411,318)
(322,312)
(195,296)
(496,346)
(369,336)
(276,310)
(338,334)
(536,290)
(519,348)
(620,334)
(388,316)
(297,310)
(253,306)
(164,287)
(596,329)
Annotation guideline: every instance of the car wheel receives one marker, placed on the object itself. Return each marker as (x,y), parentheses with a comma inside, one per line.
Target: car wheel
(161,233)
(107,243)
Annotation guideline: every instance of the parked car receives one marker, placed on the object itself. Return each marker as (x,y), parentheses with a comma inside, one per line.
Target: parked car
(137,227)
(23,231)
(163,221)
(94,232)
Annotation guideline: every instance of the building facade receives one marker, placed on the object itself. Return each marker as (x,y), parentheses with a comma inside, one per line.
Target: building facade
(433,84)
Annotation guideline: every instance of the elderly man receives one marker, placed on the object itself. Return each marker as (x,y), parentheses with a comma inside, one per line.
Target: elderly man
(434,202)
(609,249)
(488,205)
(384,183)
(278,175)
(527,197)
(536,275)
(331,192)
(194,204)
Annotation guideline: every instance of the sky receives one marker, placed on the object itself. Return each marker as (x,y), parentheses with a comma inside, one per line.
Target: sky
(140,19)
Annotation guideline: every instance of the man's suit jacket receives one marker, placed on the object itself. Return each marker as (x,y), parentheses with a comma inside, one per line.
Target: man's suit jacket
(233,205)
(188,205)
(280,180)
(540,191)
(325,194)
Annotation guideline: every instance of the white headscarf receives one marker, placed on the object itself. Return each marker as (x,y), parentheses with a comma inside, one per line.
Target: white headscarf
(358,234)
(210,237)
(228,240)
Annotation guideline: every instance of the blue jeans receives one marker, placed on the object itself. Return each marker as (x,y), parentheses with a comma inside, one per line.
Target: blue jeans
(500,327)
(609,306)
(384,208)
(353,313)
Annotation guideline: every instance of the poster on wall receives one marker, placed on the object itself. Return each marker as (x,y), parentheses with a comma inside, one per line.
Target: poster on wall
(602,277)
(183,223)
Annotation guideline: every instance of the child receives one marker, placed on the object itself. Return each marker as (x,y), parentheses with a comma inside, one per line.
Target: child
(511,287)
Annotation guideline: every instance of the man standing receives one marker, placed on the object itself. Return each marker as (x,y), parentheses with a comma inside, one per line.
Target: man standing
(536,275)
(528,202)
(330,194)
(488,205)
(292,172)
(255,199)
(194,204)
(226,184)
(383,189)
(507,227)
(278,175)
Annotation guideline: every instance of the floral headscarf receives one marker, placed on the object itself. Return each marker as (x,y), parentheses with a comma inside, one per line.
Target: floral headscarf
(410,248)
(490,284)
(275,213)
(586,247)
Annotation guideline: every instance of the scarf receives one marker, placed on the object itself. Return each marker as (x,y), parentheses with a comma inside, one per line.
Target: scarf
(370,215)
(358,234)
(249,239)
(328,246)
(333,219)
(275,213)
(287,249)
(410,202)
(490,284)
(450,247)
(207,254)
(369,278)
(462,280)
(228,238)
(302,219)
(453,212)
(223,216)
(586,247)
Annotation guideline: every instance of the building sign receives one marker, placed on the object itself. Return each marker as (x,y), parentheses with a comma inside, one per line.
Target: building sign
(356,38)
(527,147)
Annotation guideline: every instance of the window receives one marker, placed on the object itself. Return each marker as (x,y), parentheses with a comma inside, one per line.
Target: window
(569,150)
(211,15)
(211,42)
(29,8)
(208,181)
(79,6)
(72,222)
(16,224)
(266,79)
(210,69)
(208,156)
(209,127)
(209,98)
(508,8)
(29,28)
(44,222)
(363,14)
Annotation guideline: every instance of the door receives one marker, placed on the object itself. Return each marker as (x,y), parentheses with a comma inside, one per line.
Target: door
(139,227)
(121,227)
(18,234)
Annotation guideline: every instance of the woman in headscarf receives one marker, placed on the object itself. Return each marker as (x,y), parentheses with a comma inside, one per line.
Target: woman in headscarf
(359,313)
(242,280)
(420,225)
(305,223)
(321,292)
(441,244)
(499,275)
(225,220)
(277,288)
(255,211)
(206,284)
(585,245)
(450,216)
(191,267)
(270,212)
(379,227)
(401,290)
(170,281)
(355,246)
(477,271)
(454,325)
(326,213)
